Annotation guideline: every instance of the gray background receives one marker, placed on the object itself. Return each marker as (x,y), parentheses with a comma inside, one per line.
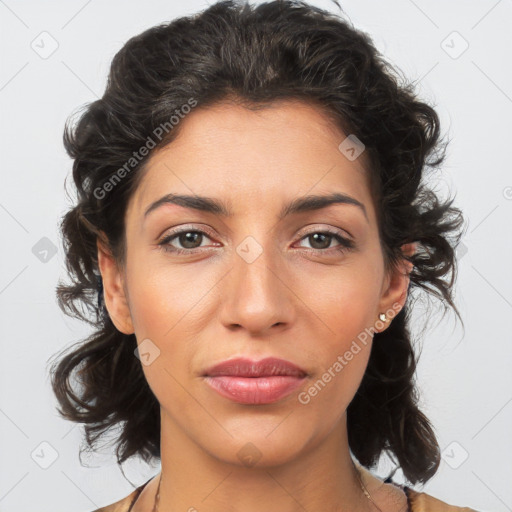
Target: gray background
(464,376)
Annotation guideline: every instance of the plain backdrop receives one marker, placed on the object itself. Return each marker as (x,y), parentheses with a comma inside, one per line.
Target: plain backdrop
(55,58)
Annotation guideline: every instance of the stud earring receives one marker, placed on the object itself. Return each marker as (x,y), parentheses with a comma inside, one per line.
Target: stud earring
(383,317)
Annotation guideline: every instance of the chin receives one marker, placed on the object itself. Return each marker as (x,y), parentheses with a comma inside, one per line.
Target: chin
(254,444)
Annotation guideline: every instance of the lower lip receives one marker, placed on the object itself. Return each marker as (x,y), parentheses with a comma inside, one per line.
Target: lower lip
(254,390)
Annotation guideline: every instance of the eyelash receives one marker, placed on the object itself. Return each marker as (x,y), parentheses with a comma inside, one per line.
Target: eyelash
(345,243)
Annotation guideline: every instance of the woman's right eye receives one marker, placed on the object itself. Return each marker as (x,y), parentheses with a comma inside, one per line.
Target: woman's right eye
(187,238)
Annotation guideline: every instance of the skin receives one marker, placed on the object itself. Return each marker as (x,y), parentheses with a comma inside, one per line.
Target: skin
(298,300)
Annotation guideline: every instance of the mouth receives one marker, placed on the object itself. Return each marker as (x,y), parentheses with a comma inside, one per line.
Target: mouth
(255,382)
(243,367)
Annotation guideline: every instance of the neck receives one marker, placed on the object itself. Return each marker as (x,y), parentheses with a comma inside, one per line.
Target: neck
(321,477)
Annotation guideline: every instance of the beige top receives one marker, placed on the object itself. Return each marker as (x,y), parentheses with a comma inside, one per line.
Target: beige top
(417,501)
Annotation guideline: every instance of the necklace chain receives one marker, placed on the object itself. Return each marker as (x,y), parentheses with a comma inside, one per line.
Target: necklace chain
(363,487)
(358,472)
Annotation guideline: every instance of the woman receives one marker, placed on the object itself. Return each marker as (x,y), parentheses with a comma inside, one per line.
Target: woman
(252,212)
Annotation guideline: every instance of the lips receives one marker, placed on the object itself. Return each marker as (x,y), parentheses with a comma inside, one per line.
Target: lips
(255,382)
(268,367)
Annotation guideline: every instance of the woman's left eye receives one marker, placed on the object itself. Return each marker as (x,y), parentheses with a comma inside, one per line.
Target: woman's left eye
(320,237)
(188,239)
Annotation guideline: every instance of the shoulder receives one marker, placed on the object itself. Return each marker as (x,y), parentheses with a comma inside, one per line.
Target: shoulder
(122,505)
(421,502)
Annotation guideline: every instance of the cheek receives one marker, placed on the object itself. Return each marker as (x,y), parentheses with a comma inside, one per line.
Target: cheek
(162,305)
(343,359)
(347,302)
(158,312)
(347,309)
(159,298)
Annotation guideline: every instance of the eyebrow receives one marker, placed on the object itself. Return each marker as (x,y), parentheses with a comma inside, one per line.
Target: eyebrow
(217,207)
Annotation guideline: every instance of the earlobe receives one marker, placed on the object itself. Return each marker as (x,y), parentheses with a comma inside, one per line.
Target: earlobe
(113,289)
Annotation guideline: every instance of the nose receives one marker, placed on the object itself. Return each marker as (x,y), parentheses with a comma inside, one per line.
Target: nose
(256,295)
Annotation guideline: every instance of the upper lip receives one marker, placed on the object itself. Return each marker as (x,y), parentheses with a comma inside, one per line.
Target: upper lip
(243,367)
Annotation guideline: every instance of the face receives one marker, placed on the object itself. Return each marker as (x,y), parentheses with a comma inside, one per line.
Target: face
(201,286)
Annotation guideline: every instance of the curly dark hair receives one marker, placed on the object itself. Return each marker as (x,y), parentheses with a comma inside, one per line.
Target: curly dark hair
(255,55)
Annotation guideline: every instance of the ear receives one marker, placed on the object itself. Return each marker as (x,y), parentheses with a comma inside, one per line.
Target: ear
(113,289)
(394,292)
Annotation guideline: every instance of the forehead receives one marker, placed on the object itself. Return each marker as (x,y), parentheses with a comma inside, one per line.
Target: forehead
(287,149)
